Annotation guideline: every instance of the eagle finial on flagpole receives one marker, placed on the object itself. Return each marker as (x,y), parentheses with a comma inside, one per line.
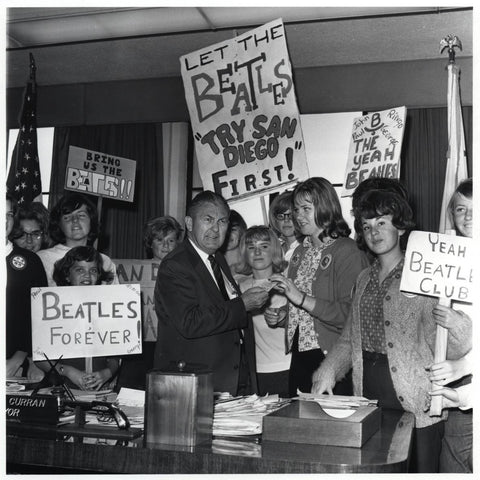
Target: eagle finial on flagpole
(451,42)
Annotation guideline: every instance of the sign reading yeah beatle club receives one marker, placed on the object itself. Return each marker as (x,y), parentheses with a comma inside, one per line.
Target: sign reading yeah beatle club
(87,321)
(439,265)
(375,147)
(244,114)
(100,174)
(143,272)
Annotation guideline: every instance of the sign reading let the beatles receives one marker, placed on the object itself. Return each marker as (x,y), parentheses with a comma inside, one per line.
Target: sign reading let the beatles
(439,265)
(86,321)
(244,114)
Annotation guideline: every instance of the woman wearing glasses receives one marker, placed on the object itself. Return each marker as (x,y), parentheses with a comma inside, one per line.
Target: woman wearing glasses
(31,228)
(281,222)
(73,223)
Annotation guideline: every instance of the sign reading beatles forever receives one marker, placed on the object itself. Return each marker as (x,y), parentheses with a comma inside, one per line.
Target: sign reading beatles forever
(244,114)
(86,321)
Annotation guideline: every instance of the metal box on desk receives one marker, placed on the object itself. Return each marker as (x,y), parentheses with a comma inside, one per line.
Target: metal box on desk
(179,406)
(306,422)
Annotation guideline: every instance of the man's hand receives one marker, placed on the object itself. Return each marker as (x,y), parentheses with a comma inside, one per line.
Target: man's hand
(254,298)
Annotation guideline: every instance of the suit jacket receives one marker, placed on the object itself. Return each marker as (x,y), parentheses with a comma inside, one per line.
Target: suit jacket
(196,324)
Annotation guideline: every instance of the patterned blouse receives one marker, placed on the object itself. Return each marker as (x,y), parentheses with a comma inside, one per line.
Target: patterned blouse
(298,317)
(371,308)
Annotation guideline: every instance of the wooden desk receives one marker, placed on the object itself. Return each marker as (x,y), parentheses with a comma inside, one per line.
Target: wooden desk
(387,451)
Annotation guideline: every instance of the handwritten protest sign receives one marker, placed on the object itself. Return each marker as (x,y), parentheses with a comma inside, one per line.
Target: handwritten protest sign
(244,114)
(375,147)
(439,265)
(87,321)
(100,174)
(143,272)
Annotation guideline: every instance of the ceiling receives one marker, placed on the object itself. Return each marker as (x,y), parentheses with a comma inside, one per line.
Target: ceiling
(83,45)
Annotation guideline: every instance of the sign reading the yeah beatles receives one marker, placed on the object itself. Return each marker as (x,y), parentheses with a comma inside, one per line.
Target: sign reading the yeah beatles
(439,265)
(375,147)
(86,321)
(244,114)
(100,174)
(143,272)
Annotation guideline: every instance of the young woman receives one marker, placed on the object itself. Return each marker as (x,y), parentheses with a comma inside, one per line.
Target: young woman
(281,222)
(83,266)
(390,336)
(263,256)
(73,223)
(31,227)
(456,456)
(321,275)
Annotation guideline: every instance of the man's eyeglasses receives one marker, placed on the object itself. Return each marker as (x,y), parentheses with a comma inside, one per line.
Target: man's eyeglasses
(283,216)
(35,235)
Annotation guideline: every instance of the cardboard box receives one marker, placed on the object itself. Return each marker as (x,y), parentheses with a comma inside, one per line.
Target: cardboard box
(306,422)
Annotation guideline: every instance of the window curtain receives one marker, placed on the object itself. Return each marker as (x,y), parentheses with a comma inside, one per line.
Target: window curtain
(121,232)
(424,160)
(175,168)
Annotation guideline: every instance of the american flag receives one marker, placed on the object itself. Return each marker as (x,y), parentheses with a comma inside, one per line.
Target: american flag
(456,156)
(24,181)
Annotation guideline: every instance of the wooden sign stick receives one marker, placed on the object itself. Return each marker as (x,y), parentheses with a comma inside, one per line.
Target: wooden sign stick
(264,210)
(88,365)
(439,356)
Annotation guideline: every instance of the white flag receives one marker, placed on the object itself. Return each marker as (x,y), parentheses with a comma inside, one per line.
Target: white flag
(456,156)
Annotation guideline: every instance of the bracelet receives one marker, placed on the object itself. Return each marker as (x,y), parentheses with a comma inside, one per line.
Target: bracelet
(300,305)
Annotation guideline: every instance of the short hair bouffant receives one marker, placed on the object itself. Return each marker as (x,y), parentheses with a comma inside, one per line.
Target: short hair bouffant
(62,267)
(39,213)
(66,205)
(377,203)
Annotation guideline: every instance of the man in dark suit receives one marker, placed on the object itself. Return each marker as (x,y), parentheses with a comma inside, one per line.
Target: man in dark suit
(202,315)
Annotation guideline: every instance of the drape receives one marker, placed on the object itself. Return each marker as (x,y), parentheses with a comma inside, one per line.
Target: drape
(162,159)
(121,222)
(424,159)
(175,155)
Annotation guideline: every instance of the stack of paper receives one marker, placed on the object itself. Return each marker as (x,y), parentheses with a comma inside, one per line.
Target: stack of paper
(243,415)
(336,401)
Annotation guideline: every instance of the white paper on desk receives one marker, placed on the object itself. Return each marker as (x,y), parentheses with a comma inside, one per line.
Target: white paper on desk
(131,397)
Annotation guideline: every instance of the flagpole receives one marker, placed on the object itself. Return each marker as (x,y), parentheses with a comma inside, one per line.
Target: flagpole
(454,173)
